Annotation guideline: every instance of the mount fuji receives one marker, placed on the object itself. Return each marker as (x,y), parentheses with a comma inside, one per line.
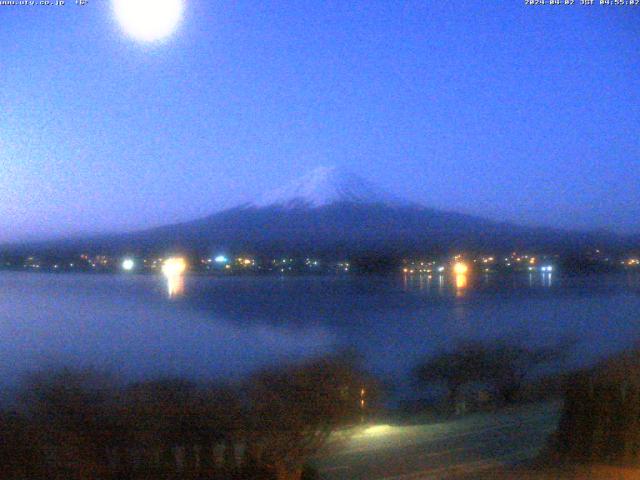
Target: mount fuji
(326,186)
(333,212)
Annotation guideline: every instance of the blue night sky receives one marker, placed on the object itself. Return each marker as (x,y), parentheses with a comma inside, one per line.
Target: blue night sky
(518,113)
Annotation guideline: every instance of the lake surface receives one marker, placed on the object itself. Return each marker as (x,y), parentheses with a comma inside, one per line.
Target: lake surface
(225,327)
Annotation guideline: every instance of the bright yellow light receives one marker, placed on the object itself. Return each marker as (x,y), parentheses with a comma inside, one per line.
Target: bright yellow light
(247,261)
(174,266)
(460,268)
(148,20)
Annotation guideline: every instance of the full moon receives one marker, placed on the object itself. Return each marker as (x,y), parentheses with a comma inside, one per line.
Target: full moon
(148,20)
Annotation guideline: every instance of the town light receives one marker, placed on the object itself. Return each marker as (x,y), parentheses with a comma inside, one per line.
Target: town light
(221,259)
(128,264)
(174,266)
(460,268)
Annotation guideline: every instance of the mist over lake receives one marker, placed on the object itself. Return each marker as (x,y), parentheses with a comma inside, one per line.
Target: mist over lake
(223,328)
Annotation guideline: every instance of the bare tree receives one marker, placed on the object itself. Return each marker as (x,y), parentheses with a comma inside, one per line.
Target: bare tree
(510,365)
(78,425)
(467,363)
(502,365)
(179,422)
(68,417)
(294,410)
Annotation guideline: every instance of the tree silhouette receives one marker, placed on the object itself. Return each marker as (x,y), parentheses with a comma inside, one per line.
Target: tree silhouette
(294,410)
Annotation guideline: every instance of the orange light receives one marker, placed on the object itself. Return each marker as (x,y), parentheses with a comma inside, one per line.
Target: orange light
(460,268)
(174,266)
(175,285)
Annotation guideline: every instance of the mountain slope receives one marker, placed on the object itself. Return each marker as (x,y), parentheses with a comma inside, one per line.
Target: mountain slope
(335,213)
(348,228)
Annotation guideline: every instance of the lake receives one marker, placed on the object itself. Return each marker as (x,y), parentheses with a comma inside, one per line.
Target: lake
(224,327)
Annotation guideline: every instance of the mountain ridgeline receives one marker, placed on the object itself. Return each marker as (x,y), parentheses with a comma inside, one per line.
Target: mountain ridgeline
(332,213)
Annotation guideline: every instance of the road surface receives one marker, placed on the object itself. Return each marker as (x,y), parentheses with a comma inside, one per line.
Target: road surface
(462,448)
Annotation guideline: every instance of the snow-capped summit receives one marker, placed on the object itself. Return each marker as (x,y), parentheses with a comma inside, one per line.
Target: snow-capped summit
(325,186)
(355,219)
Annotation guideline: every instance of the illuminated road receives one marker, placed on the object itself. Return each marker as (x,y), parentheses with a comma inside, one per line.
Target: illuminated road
(462,448)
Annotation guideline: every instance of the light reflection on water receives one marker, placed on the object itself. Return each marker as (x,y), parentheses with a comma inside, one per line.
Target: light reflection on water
(126,324)
(175,285)
(458,284)
(461,284)
(227,326)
